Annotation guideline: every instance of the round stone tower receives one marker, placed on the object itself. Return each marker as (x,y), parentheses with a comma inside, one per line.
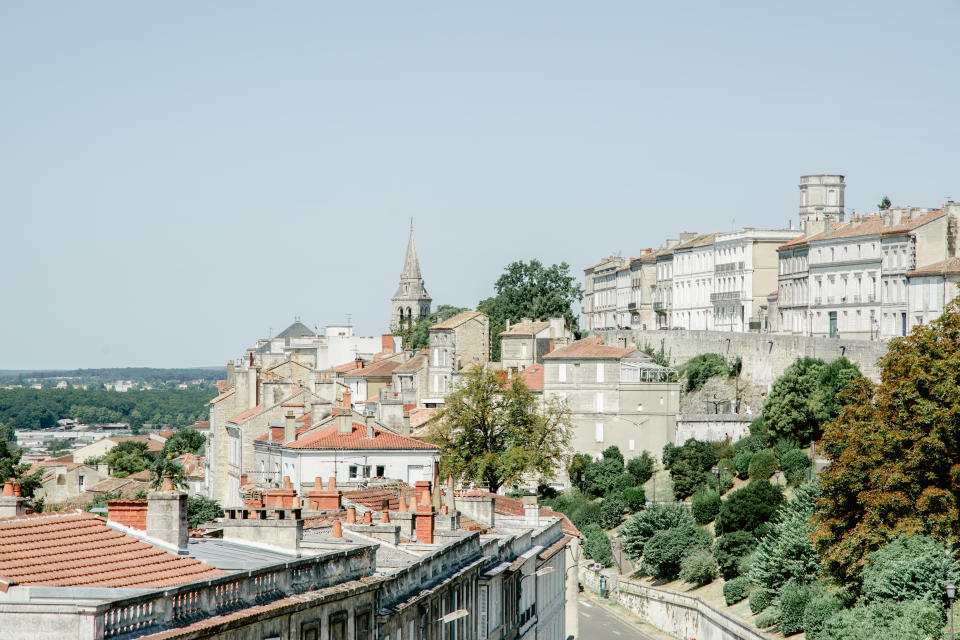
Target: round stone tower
(821,199)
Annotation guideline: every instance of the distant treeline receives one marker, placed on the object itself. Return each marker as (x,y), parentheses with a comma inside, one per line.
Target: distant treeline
(41,408)
(135,374)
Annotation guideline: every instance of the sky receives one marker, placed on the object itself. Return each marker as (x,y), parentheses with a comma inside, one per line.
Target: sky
(179,179)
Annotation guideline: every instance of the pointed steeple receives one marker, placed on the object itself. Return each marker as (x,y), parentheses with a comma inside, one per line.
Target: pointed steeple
(411,266)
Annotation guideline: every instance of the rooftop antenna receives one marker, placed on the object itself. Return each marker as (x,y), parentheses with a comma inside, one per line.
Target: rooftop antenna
(411,223)
(270,332)
(349,318)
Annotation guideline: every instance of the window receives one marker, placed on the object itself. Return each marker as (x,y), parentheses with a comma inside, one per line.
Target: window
(436,357)
(562,373)
(523,350)
(598,435)
(599,401)
(599,372)
(362,626)
(359,471)
(632,445)
(380,471)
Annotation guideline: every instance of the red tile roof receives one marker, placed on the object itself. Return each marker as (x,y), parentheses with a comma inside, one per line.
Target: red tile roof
(346,366)
(949,266)
(419,417)
(80,550)
(329,438)
(379,369)
(222,386)
(532,376)
(592,347)
(514,507)
(246,415)
(223,396)
(456,321)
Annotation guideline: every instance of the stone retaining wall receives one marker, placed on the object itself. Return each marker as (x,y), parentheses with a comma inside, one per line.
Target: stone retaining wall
(764,355)
(683,616)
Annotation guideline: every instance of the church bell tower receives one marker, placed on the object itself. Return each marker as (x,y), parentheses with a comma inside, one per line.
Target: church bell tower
(411,301)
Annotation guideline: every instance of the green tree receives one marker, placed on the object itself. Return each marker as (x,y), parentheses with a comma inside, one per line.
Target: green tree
(656,517)
(531,290)
(895,451)
(577,470)
(417,335)
(492,432)
(641,467)
(167,468)
(749,508)
(785,553)
(183,441)
(909,568)
(803,398)
(666,549)
(689,466)
(202,509)
(128,457)
(909,620)
(701,368)
(730,549)
(884,204)
(611,511)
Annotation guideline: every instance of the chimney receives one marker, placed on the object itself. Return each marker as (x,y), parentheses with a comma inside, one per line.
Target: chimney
(386,342)
(337,529)
(289,427)
(508,324)
(424,523)
(167,519)
(345,400)
(368,517)
(480,508)
(130,513)
(307,405)
(10,504)
(345,423)
(351,515)
(371,432)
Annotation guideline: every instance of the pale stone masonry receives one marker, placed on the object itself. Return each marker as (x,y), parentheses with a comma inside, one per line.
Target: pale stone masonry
(455,344)
(616,396)
(526,342)
(411,300)
(600,294)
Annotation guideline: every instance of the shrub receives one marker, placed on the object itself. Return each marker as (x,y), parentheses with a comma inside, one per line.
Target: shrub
(641,468)
(705,505)
(686,479)
(599,475)
(584,514)
(735,590)
(910,620)
(611,511)
(664,551)
(762,465)
(795,464)
(591,529)
(730,549)
(577,470)
(701,368)
(760,599)
(749,508)
(613,454)
(721,482)
(202,509)
(597,547)
(793,602)
(698,567)
(752,443)
(657,517)
(635,498)
(786,552)
(909,568)
(768,618)
(742,463)
(623,482)
(819,609)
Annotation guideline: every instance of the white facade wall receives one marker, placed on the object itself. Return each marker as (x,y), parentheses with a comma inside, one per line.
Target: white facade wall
(304,465)
(845,286)
(927,297)
(692,285)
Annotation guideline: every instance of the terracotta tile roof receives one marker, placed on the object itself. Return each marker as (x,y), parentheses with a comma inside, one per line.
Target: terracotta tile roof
(532,376)
(192,464)
(223,396)
(456,321)
(418,417)
(379,369)
(591,347)
(357,439)
(413,365)
(202,425)
(865,226)
(944,267)
(144,475)
(346,366)
(700,241)
(80,550)
(525,329)
(246,415)
(514,507)
(222,386)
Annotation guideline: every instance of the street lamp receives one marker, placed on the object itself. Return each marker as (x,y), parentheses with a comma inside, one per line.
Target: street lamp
(951,592)
(454,615)
(716,472)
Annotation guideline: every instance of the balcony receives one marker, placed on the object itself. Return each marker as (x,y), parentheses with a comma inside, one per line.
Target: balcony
(658,306)
(631,305)
(725,296)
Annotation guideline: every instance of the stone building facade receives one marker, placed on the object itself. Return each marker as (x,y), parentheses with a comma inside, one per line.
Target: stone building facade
(526,342)
(455,344)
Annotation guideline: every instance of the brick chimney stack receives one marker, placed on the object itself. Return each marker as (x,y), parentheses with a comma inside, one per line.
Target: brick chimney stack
(345,399)
(11,504)
(424,513)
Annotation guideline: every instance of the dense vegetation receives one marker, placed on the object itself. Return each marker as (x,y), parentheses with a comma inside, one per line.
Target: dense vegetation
(144,375)
(701,368)
(417,335)
(530,290)
(41,408)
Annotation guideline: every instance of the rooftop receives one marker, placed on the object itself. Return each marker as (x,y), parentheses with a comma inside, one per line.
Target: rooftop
(588,348)
(526,328)
(457,320)
(532,376)
(79,549)
(330,438)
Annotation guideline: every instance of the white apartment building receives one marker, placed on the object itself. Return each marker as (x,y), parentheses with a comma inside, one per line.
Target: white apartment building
(929,289)
(745,272)
(693,280)
(600,294)
(624,295)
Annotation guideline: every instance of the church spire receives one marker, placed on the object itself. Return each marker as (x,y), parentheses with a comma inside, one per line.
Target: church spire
(411,266)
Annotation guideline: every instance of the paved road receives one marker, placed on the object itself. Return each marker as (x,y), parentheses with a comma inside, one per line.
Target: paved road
(597,624)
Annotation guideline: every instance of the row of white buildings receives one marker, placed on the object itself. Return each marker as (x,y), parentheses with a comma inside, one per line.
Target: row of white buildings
(870,277)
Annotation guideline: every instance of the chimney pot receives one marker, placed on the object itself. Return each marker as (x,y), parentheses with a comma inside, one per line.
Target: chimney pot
(367,517)
(337,529)
(286,482)
(332,484)
(385,518)
(351,515)
(403,504)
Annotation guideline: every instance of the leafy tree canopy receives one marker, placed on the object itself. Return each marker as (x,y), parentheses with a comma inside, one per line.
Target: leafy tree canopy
(128,457)
(786,552)
(491,432)
(654,518)
(895,450)
(803,398)
(183,441)
(909,568)
(202,509)
(531,290)
(749,508)
(417,335)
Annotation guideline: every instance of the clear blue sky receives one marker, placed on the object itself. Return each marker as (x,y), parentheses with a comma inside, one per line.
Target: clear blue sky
(177,178)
